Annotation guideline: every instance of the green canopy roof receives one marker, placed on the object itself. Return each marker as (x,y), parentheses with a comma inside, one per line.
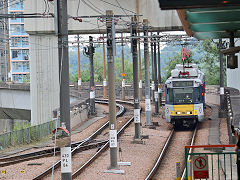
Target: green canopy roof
(211,23)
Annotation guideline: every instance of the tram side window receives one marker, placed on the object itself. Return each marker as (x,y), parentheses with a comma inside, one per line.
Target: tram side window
(170,96)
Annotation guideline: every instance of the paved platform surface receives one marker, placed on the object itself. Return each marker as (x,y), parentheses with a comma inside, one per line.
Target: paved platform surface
(235,103)
(213,99)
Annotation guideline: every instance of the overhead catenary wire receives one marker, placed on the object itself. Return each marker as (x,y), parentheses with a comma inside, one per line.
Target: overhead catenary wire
(79,1)
(117,6)
(91,7)
(123,10)
(98,9)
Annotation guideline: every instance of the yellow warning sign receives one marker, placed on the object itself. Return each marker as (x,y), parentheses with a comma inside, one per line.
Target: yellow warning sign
(3,172)
(123,74)
(22,171)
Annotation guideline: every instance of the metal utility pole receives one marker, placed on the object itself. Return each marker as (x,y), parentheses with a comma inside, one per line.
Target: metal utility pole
(104,73)
(140,72)
(221,111)
(159,75)
(147,81)
(152,68)
(92,86)
(137,118)
(112,98)
(155,77)
(62,16)
(79,67)
(123,74)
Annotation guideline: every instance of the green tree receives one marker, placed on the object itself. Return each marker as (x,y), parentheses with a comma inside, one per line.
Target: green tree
(98,70)
(209,61)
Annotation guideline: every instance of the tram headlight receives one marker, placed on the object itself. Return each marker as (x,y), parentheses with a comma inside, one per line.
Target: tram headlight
(178,112)
(188,112)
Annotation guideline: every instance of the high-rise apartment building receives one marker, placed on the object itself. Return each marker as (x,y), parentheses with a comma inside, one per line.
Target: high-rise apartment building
(19,44)
(4,41)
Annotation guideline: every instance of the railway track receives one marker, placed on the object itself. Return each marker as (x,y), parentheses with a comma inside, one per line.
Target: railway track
(166,147)
(46,153)
(104,144)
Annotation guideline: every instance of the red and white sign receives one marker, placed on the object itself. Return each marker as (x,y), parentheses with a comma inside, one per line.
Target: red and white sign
(200,167)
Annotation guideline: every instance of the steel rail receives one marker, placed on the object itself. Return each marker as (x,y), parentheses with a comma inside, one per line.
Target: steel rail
(36,153)
(106,146)
(74,151)
(81,148)
(190,151)
(97,154)
(157,163)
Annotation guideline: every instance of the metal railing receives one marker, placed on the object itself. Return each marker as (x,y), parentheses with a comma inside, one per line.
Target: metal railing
(219,164)
(27,135)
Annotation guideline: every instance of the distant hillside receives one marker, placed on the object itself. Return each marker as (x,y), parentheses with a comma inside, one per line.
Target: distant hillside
(167,52)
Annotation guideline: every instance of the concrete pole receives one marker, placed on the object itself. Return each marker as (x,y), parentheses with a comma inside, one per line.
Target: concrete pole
(137,118)
(140,72)
(148,111)
(92,86)
(112,96)
(79,67)
(104,73)
(152,68)
(159,75)
(123,74)
(66,168)
(155,78)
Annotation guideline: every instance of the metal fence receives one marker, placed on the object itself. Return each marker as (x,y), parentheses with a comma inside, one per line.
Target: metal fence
(27,135)
(214,164)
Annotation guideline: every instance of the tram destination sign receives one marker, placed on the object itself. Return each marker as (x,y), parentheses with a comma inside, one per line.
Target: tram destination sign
(185,4)
(182,83)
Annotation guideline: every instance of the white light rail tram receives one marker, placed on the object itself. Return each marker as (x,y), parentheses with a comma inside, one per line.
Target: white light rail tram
(185,96)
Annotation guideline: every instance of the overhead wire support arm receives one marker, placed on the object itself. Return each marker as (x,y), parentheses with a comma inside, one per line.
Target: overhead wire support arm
(104,16)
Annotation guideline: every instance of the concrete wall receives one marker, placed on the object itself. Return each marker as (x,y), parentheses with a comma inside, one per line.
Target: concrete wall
(14,99)
(158,19)
(44,77)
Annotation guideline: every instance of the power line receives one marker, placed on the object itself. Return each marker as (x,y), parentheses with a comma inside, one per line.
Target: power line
(117,6)
(96,7)
(123,11)
(78,6)
(91,7)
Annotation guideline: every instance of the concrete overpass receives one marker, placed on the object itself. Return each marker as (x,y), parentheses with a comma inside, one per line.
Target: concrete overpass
(15,101)
(44,67)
